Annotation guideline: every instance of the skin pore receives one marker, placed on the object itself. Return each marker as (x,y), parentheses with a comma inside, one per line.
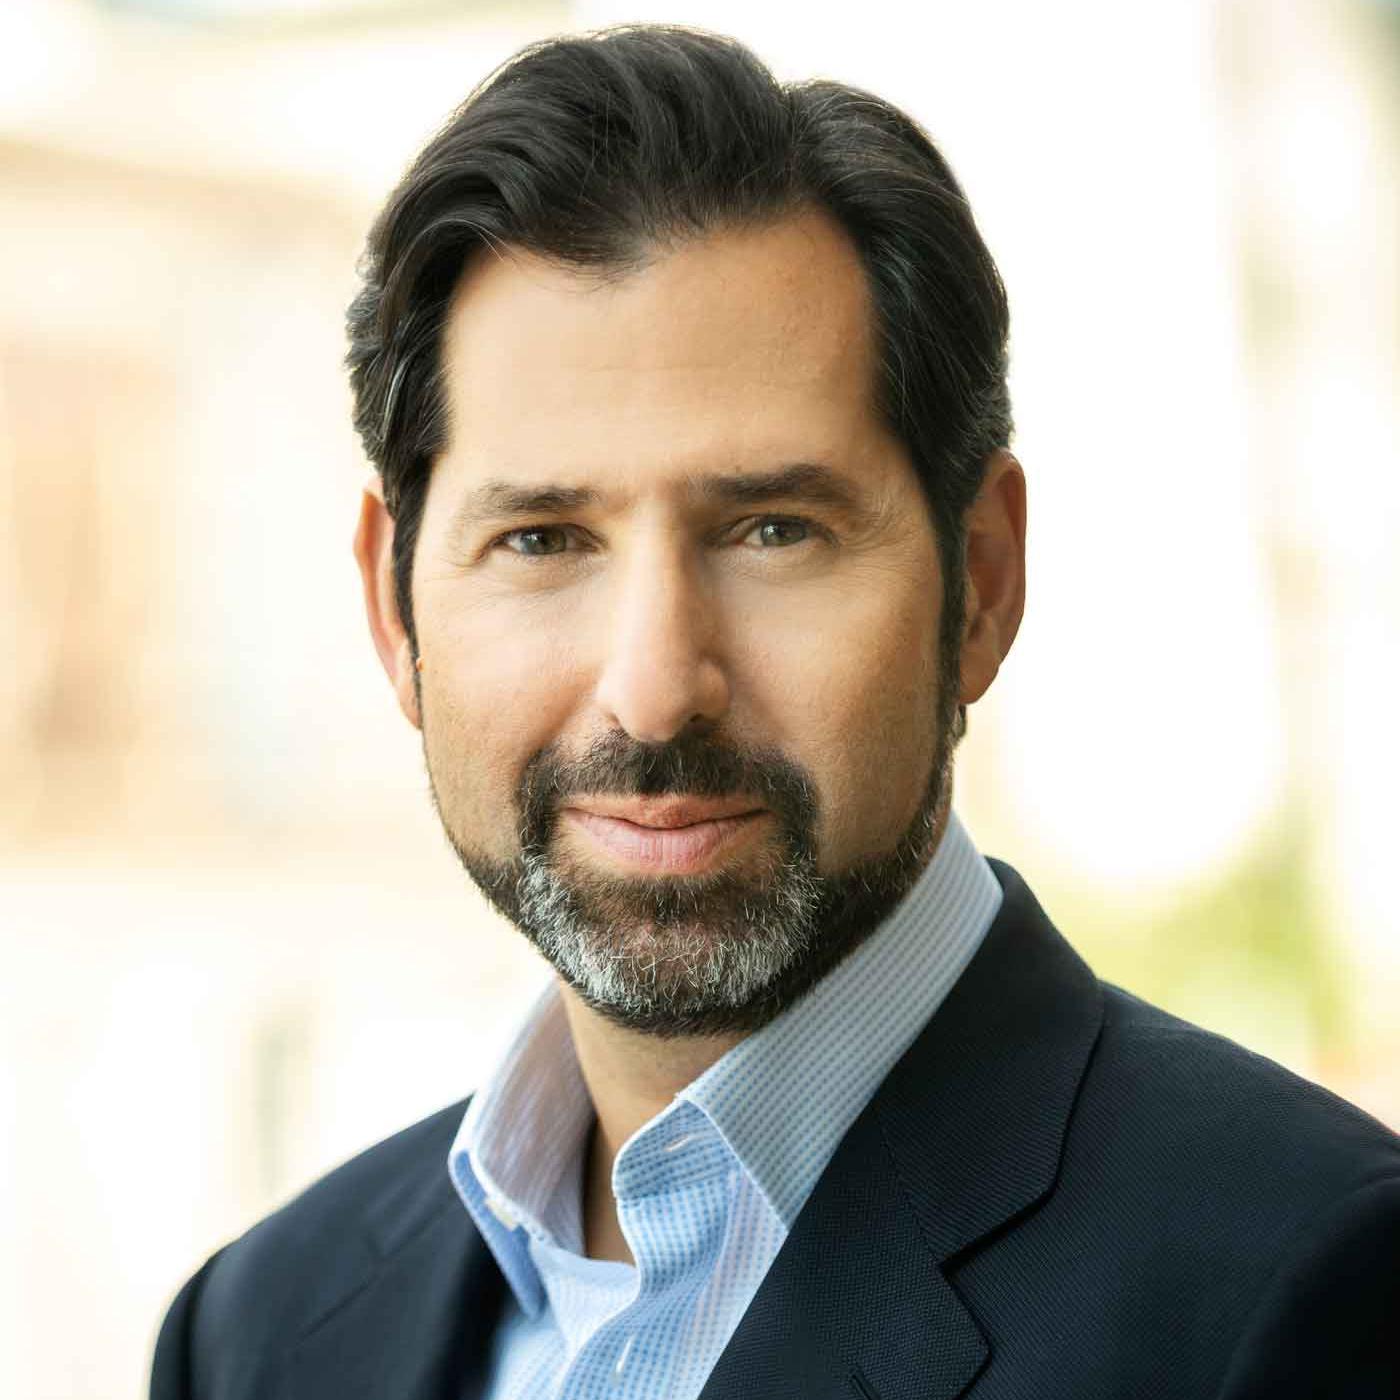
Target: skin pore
(615,543)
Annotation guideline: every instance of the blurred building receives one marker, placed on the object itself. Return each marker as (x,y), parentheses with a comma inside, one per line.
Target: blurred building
(237,947)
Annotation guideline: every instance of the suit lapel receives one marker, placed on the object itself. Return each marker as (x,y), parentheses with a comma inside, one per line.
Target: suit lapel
(964,1136)
(852,1306)
(417,1323)
(418,1329)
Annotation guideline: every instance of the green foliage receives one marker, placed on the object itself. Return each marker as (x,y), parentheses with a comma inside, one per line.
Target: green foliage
(1246,953)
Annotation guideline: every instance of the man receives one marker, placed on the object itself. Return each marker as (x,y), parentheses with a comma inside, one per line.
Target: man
(695,531)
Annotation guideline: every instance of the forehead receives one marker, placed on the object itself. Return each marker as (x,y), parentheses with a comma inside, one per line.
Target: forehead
(741,348)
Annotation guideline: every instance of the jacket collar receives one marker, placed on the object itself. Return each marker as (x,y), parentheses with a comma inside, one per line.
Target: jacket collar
(964,1134)
(416,1320)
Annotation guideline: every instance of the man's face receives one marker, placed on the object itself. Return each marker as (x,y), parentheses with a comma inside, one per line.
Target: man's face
(677,598)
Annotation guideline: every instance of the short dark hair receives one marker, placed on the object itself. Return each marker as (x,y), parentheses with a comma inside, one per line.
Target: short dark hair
(599,151)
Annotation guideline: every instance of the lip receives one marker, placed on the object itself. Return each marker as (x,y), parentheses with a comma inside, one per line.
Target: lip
(664,813)
(678,848)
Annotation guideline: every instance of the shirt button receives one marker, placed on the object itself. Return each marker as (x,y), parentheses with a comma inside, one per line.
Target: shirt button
(622,1357)
(501,1211)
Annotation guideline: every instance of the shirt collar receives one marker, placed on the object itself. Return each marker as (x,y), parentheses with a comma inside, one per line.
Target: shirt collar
(515,1159)
(781,1099)
(784,1097)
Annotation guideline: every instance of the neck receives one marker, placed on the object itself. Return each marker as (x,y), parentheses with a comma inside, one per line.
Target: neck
(630,1077)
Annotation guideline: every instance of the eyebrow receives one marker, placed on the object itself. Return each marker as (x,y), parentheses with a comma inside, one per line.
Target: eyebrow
(800,481)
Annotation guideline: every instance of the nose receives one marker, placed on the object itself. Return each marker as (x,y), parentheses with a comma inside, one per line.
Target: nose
(661,672)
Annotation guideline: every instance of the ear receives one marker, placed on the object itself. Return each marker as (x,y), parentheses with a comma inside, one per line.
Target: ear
(995,574)
(374,553)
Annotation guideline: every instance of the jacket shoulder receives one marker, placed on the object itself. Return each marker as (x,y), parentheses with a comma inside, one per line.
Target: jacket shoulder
(1196,1106)
(297,1265)
(1206,1204)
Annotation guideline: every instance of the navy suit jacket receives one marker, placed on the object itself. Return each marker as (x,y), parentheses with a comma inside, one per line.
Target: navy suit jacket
(1059,1191)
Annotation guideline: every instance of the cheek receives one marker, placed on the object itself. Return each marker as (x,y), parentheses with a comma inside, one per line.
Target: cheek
(490,702)
(855,701)
(883,739)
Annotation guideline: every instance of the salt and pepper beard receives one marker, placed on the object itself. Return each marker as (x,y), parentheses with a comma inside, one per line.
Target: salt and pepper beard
(715,953)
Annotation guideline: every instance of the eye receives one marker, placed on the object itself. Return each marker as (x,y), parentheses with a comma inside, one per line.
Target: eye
(534,541)
(776,531)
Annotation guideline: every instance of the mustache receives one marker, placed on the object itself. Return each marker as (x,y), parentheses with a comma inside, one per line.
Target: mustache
(692,764)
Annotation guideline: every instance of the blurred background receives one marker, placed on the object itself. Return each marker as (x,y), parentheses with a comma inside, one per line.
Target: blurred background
(236,947)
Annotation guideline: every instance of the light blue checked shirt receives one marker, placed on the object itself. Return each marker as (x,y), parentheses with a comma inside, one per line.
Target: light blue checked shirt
(708,1189)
